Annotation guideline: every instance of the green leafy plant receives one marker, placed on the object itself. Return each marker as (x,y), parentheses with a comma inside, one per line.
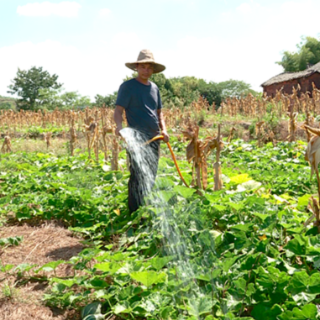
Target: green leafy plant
(11,241)
(243,252)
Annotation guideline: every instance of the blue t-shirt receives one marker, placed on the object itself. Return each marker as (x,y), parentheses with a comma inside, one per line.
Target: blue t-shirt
(141,103)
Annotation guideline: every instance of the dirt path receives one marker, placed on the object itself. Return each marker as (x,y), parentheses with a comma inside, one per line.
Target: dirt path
(41,244)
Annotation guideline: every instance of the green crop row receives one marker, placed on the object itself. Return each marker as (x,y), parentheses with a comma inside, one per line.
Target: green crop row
(243,252)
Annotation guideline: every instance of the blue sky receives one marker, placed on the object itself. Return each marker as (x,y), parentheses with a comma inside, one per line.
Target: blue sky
(87,42)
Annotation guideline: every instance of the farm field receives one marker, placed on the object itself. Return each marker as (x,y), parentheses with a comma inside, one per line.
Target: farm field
(241,243)
(249,250)
(180,182)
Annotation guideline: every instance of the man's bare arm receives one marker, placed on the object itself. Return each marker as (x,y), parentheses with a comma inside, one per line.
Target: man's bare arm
(118,118)
(163,126)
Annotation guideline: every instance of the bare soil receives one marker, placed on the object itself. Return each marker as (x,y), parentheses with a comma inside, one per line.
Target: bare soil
(41,244)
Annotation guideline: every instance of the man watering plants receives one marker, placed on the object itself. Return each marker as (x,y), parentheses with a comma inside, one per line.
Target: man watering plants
(140,99)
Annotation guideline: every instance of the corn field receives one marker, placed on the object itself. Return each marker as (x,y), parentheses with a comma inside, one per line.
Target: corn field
(281,103)
(94,129)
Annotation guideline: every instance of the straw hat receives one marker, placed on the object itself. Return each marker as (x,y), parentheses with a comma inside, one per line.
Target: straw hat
(146,56)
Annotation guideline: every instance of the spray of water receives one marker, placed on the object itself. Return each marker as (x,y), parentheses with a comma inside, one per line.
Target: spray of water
(172,236)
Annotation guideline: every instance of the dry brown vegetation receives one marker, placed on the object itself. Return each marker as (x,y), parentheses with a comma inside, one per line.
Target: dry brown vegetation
(197,153)
(92,130)
(281,103)
(41,244)
(97,124)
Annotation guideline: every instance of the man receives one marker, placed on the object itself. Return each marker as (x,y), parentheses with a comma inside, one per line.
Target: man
(140,99)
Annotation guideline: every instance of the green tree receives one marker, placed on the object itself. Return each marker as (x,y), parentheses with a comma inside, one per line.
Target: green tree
(210,91)
(49,99)
(28,84)
(52,99)
(165,87)
(235,88)
(5,106)
(73,100)
(182,91)
(7,103)
(159,79)
(134,75)
(308,53)
(108,101)
(186,89)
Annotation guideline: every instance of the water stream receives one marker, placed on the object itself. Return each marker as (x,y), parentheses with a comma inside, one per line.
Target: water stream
(173,241)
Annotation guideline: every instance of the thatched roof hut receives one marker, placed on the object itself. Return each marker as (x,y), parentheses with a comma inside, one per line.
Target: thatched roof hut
(287,80)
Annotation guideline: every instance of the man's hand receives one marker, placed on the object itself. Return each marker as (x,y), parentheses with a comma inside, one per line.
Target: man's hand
(165,136)
(163,126)
(117,132)
(118,119)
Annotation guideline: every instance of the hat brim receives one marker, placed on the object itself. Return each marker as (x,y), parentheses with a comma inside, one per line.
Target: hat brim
(157,67)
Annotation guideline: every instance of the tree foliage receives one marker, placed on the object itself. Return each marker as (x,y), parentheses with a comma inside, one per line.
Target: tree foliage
(7,103)
(52,99)
(308,53)
(211,92)
(28,85)
(182,91)
(234,88)
(108,100)
(38,89)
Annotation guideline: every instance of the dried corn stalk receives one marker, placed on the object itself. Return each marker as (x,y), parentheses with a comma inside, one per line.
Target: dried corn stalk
(296,101)
(193,152)
(312,154)
(313,157)
(315,98)
(207,146)
(73,135)
(104,132)
(115,153)
(259,132)
(6,147)
(309,119)
(306,122)
(232,130)
(197,152)
(313,207)
(292,125)
(47,138)
(106,128)
(217,165)
(213,107)
(90,130)
(281,103)
(96,142)
(271,136)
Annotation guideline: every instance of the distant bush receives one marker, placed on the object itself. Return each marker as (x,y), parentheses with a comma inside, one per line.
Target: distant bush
(7,103)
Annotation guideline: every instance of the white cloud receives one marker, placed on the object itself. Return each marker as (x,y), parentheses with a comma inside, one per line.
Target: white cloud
(90,73)
(267,31)
(102,71)
(51,55)
(217,59)
(45,9)
(125,40)
(249,56)
(104,12)
(244,8)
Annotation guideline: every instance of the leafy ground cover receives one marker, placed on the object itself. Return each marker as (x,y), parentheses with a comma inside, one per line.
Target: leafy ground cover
(247,248)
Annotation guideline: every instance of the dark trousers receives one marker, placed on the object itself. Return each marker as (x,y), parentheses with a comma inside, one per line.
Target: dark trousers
(143,171)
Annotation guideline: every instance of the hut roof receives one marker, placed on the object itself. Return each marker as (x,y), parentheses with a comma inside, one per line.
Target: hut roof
(287,76)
